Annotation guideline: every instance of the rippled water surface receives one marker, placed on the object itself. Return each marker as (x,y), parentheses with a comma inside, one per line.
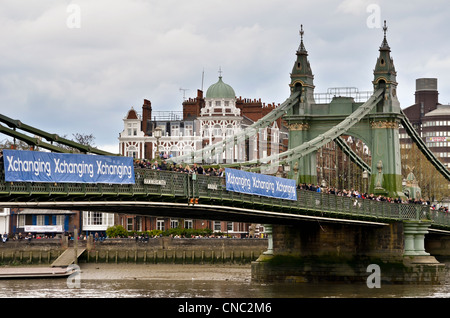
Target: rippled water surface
(58,288)
(99,283)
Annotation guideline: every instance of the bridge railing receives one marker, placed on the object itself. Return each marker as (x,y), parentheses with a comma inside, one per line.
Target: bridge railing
(440,218)
(212,190)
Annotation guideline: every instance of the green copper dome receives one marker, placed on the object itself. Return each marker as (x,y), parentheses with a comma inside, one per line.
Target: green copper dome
(220,90)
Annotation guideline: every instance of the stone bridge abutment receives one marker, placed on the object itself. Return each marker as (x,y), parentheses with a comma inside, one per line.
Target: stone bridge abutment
(311,252)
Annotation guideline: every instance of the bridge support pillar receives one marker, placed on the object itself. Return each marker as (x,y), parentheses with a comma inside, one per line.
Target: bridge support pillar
(313,252)
(386,178)
(268,231)
(414,232)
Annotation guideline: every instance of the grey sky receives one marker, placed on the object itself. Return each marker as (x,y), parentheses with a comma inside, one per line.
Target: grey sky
(66,79)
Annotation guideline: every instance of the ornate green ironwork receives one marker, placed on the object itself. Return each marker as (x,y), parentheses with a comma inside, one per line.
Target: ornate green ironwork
(17,124)
(166,186)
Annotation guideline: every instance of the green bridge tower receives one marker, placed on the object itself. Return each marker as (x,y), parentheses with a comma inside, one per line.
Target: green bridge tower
(379,130)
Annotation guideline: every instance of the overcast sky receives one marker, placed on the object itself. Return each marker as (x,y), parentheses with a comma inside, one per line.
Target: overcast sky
(78,66)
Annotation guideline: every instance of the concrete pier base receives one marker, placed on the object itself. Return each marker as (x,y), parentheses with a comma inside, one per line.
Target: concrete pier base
(411,270)
(313,253)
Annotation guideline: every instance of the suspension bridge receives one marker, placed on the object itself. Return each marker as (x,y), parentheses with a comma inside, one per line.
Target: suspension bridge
(311,126)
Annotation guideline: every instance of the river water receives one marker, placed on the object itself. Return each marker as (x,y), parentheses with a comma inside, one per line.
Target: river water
(194,281)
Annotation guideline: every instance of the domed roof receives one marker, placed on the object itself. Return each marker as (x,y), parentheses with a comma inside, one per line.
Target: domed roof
(220,90)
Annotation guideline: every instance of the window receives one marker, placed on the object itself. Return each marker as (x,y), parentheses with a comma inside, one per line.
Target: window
(40,219)
(229,226)
(174,223)
(174,151)
(60,219)
(188,130)
(160,224)
(217,226)
(218,103)
(229,130)
(20,220)
(217,131)
(188,224)
(129,224)
(96,218)
(187,150)
(175,130)
(138,224)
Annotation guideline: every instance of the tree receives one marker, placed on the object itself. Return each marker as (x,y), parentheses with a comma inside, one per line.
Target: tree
(433,185)
(86,140)
(16,144)
(116,231)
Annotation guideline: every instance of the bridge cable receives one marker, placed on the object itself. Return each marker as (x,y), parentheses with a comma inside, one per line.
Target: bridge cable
(423,147)
(318,142)
(352,155)
(50,137)
(244,134)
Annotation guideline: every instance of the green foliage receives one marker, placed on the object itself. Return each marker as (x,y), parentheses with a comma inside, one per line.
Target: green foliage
(116,231)
(187,232)
(119,231)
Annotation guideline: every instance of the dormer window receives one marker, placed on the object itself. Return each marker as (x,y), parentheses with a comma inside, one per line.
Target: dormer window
(175,130)
(132,129)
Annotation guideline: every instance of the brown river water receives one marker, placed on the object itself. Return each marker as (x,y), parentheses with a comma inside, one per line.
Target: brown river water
(194,281)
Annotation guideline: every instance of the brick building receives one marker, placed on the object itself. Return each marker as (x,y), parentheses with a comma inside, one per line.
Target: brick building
(204,119)
(430,119)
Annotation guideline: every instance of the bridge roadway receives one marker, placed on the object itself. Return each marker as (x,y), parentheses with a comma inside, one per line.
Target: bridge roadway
(180,195)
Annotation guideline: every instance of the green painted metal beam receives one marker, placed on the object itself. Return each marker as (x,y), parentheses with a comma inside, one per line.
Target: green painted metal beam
(423,147)
(31,140)
(17,124)
(321,140)
(352,155)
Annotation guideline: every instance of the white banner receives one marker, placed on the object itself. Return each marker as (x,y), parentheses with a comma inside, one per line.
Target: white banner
(43,228)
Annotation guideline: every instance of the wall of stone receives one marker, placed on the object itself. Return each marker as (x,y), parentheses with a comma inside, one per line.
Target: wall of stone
(338,240)
(156,250)
(313,252)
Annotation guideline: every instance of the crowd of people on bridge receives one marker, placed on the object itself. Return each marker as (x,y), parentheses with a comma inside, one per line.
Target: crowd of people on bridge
(220,172)
(364,195)
(183,168)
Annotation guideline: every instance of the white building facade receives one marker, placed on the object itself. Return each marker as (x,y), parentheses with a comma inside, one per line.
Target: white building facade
(218,119)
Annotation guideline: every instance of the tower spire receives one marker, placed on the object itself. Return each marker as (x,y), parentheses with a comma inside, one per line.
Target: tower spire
(385,76)
(384,44)
(301,48)
(301,75)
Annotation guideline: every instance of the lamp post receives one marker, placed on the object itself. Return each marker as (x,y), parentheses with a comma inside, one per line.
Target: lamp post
(157,133)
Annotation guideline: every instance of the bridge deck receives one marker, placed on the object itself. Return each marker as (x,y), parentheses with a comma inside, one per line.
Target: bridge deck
(157,188)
